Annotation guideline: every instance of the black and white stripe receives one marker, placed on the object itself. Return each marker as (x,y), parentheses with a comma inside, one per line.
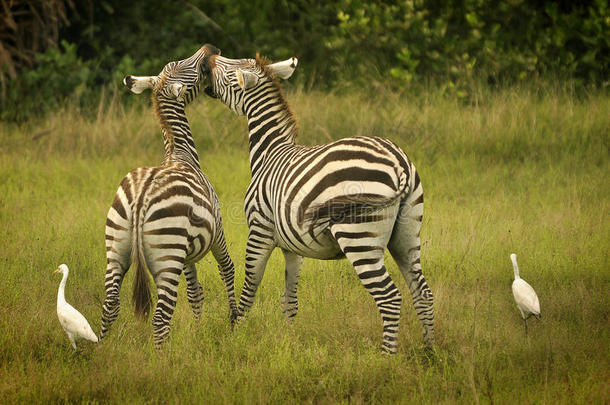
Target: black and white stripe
(167,217)
(351,198)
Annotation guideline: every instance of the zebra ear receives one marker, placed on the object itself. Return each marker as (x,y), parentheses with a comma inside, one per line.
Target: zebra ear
(177,90)
(284,69)
(138,84)
(246,80)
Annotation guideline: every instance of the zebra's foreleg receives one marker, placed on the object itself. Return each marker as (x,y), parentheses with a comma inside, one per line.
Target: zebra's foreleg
(194,291)
(290,303)
(257,254)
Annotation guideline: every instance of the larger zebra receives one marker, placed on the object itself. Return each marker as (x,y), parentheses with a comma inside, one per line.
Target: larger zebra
(166,217)
(350,198)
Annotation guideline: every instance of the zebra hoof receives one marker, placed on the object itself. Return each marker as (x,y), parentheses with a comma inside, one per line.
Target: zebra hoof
(290,313)
(388,351)
(161,344)
(233,317)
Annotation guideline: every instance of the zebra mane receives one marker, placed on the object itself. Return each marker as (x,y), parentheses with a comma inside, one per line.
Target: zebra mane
(165,126)
(263,62)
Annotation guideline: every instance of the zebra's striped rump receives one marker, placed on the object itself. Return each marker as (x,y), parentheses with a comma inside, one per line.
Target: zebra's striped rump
(174,212)
(351,198)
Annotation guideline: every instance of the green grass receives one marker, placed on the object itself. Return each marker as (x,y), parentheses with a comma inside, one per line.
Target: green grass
(519,172)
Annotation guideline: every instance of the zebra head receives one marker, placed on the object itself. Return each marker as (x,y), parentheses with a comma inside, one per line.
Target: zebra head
(178,82)
(235,80)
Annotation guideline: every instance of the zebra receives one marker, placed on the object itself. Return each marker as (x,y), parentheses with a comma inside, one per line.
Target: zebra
(350,198)
(166,217)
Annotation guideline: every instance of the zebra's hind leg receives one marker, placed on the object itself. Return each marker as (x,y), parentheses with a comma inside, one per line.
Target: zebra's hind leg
(118,259)
(111,306)
(166,279)
(404,246)
(194,291)
(226,268)
(365,251)
(290,303)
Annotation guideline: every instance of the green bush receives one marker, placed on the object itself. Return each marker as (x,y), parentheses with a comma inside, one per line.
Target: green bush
(455,42)
(454,45)
(60,74)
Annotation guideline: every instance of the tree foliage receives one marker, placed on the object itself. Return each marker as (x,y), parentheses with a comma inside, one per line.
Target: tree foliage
(27,27)
(402,43)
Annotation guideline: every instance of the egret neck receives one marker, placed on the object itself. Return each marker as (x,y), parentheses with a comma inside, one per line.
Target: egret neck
(513,258)
(61,298)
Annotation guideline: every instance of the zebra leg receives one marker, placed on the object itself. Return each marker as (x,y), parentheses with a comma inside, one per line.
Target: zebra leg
(110,309)
(366,255)
(194,291)
(258,251)
(118,260)
(166,279)
(404,246)
(226,268)
(290,303)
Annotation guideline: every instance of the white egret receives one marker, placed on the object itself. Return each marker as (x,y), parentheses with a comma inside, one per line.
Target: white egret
(525,296)
(74,323)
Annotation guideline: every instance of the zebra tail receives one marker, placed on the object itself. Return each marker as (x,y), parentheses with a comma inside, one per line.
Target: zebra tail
(141,291)
(353,208)
(348,209)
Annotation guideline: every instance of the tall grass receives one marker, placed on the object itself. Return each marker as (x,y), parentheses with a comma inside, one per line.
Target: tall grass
(518,171)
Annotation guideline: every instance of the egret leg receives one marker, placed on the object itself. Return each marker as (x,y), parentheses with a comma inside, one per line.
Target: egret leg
(71,337)
(525,322)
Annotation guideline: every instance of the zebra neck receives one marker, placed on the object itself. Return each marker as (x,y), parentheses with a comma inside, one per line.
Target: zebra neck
(177,137)
(270,125)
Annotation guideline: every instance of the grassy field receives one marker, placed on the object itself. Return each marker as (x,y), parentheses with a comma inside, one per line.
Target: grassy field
(519,171)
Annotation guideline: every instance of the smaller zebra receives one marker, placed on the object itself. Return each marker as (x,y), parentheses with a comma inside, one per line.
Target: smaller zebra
(166,217)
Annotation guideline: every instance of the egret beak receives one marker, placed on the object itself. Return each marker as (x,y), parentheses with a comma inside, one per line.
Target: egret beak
(57,270)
